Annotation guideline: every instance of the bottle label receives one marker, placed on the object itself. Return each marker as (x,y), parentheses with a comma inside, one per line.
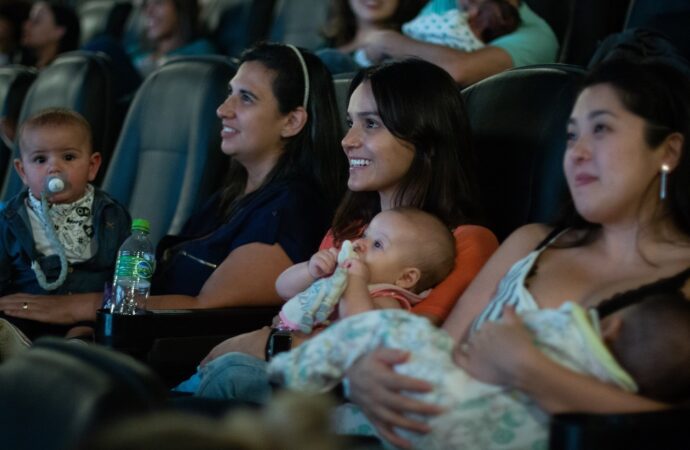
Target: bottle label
(134,266)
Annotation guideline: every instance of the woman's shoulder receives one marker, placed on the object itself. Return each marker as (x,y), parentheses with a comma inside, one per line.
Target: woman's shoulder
(527,237)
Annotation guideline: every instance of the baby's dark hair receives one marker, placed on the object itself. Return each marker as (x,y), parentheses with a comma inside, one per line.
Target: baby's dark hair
(435,256)
(497,18)
(653,345)
(55,117)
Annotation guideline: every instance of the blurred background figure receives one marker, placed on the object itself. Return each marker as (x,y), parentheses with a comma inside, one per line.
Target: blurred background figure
(352,21)
(52,28)
(12,15)
(170,28)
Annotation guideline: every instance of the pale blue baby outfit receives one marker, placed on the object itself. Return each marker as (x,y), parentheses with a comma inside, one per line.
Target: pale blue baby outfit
(478,415)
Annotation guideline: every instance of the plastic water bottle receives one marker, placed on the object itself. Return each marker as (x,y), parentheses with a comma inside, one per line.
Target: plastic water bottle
(133,270)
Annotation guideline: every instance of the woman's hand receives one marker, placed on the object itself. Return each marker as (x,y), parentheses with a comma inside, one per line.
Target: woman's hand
(380,44)
(376,388)
(323,263)
(499,352)
(59,309)
(252,343)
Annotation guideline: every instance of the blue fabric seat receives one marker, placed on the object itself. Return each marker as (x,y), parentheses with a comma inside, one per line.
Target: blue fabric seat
(299,22)
(168,158)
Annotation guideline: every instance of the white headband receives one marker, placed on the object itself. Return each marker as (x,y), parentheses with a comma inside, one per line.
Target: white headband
(305,72)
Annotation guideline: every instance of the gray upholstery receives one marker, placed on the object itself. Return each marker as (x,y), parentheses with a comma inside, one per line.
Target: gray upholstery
(81,81)
(518,121)
(168,159)
(234,25)
(14,84)
(299,22)
(103,17)
(58,391)
(341,83)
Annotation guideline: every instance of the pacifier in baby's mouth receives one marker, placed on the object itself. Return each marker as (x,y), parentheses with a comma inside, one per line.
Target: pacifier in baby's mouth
(54,184)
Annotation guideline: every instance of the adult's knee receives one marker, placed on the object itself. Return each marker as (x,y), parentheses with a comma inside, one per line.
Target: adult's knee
(235,376)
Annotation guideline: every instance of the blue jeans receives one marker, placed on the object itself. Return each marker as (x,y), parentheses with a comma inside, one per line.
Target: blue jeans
(232,376)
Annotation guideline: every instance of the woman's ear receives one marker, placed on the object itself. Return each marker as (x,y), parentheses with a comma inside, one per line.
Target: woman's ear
(295,121)
(673,149)
(408,278)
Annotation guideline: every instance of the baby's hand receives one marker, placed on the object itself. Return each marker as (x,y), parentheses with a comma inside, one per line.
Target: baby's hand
(357,268)
(323,263)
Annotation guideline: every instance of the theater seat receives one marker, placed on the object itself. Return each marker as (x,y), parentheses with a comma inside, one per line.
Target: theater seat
(59,391)
(234,25)
(341,83)
(640,12)
(299,22)
(518,121)
(556,14)
(591,22)
(667,430)
(168,158)
(15,81)
(97,17)
(81,81)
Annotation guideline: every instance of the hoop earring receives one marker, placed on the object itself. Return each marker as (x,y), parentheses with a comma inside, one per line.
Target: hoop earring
(665,169)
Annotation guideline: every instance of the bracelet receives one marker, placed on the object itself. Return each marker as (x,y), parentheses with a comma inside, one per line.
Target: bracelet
(279,341)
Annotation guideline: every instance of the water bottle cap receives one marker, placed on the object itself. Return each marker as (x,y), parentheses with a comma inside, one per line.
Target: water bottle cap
(141,224)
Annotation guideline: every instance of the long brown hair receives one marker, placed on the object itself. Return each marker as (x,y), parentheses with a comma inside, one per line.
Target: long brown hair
(421,104)
(314,153)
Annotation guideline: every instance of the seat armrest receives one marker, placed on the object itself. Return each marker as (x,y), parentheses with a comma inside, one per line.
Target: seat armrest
(173,342)
(667,429)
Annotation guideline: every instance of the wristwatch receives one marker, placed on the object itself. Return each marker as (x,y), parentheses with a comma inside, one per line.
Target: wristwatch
(278,341)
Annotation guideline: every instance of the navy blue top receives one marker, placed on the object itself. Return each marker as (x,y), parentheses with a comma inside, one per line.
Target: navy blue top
(291,213)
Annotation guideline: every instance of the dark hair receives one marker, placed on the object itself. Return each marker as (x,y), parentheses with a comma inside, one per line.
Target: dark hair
(497,18)
(66,17)
(658,361)
(15,13)
(315,151)
(421,104)
(342,23)
(659,94)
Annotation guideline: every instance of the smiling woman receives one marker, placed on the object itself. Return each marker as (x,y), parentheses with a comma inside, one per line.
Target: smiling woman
(409,145)
(629,138)
(285,173)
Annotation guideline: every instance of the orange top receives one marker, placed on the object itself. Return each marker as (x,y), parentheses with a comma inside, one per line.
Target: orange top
(473,247)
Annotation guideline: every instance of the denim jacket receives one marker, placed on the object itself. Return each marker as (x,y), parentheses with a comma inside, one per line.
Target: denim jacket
(111,223)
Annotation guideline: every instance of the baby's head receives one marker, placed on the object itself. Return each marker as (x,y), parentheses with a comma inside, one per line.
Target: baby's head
(490,19)
(651,340)
(57,142)
(407,247)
